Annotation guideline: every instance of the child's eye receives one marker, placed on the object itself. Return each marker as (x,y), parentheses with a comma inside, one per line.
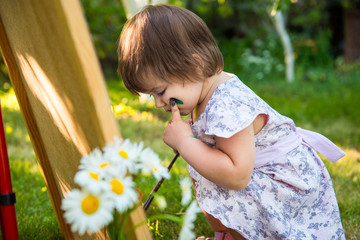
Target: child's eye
(161,93)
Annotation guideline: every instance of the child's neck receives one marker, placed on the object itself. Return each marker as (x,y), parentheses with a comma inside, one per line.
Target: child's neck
(207,91)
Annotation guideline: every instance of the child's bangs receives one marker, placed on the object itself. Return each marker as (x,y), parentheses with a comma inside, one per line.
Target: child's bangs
(136,83)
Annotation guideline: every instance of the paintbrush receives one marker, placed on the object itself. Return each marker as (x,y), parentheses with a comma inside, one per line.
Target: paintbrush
(156,188)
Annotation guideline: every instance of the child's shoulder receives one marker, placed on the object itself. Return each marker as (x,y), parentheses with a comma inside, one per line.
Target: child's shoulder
(233,89)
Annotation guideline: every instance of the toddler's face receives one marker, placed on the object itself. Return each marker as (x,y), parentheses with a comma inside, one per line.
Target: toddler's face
(163,92)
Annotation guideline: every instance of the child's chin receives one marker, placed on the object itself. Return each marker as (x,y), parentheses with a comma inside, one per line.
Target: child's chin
(184,113)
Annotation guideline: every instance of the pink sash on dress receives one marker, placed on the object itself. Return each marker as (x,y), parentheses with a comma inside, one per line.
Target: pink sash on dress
(313,139)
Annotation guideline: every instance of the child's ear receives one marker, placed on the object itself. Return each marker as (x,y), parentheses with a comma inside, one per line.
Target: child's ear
(200,65)
(198,59)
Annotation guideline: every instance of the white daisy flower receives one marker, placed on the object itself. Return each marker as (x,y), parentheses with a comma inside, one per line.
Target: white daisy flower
(188,222)
(186,185)
(124,153)
(123,193)
(91,181)
(151,164)
(93,159)
(159,171)
(87,212)
(96,162)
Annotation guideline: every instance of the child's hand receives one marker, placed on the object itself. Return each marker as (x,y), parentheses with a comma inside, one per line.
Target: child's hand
(177,130)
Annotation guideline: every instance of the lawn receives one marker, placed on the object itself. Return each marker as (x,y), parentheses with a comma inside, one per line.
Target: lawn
(329,106)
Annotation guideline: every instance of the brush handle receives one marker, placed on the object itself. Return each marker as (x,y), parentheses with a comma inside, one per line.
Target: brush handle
(156,188)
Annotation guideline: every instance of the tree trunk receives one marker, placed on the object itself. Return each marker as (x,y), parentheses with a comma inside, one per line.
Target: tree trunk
(285,40)
(134,6)
(352,35)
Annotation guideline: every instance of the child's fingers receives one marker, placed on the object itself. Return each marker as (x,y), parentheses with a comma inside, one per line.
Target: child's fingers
(188,120)
(175,111)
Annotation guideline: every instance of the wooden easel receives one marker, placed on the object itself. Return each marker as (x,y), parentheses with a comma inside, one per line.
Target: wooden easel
(61,92)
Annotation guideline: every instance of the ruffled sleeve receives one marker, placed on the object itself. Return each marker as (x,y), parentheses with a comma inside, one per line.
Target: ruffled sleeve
(229,115)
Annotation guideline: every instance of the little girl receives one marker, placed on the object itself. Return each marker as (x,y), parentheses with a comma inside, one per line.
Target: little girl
(256,175)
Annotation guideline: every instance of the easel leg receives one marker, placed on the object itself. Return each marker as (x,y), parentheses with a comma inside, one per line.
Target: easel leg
(7,197)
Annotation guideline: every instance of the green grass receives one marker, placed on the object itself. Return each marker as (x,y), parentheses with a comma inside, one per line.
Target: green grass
(35,216)
(329,106)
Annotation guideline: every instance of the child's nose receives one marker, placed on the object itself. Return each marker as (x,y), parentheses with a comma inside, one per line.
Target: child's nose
(159,103)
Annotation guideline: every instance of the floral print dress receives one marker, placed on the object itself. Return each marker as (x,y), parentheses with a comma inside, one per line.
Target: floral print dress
(290,196)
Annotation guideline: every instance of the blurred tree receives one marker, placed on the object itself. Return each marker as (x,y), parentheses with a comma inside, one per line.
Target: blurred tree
(326,28)
(247,18)
(288,49)
(315,28)
(133,6)
(352,30)
(233,18)
(279,23)
(105,19)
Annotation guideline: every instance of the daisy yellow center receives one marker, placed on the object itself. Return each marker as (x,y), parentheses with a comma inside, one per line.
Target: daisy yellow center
(94,176)
(185,188)
(90,204)
(117,187)
(123,154)
(104,165)
(155,169)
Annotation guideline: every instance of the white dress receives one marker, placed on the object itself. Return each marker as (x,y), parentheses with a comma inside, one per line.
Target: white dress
(289,196)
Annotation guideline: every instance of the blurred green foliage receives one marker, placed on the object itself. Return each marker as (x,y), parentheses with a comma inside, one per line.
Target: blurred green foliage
(245,33)
(244,30)
(105,19)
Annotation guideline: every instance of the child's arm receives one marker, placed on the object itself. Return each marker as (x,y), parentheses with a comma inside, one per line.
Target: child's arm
(230,164)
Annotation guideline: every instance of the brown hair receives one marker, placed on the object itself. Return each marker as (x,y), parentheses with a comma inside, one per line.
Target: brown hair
(169,43)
